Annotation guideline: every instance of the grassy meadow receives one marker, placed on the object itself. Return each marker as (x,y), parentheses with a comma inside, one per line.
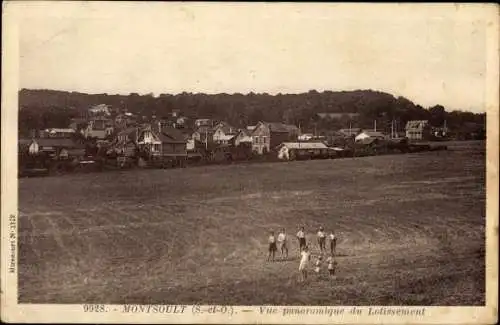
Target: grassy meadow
(410,228)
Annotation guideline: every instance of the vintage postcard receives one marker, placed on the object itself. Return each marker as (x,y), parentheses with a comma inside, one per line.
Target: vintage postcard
(249,163)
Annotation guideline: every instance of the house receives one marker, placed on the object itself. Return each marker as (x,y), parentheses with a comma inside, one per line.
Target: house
(351,132)
(101,109)
(57,148)
(291,150)
(99,128)
(27,146)
(203,122)
(59,133)
(125,120)
(173,143)
(223,133)
(268,135)
(149,141)
(369,134)
(305,136)
(203,134)
(337,116)
(125,143)
(418,130)
(241,137)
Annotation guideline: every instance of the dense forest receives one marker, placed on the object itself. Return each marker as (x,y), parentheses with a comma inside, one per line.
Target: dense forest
(39,109)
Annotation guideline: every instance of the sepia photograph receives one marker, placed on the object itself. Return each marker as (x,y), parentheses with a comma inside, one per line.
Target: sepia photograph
(184,159)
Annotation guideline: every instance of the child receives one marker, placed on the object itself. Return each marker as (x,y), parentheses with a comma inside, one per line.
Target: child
(282,242)
(305,257)
(318,264)
(272,246)
(331,266)
(321,240)
(333,243)
(301,236)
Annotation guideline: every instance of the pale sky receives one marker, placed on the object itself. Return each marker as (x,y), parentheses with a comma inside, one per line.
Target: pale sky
(433,54)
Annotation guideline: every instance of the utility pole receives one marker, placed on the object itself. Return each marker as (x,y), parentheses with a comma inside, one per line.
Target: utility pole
(375,126)
(392,129)
(300,133)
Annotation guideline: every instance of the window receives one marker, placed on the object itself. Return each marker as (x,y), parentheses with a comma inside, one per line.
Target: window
(255,140)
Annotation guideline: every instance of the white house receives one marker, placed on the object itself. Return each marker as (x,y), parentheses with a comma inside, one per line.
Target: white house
(59,133)
(313,148)
(369,134)
(305,137)
(418,129)
(203,122)
(100,109)
(223,133)
(150,141)
(242,137)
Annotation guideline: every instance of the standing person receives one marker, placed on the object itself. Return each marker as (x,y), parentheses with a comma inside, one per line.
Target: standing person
(317,266)
(321,240)
(283,243)
(304,259)
(331,266)
(301,236)
(333,243)
(272,246)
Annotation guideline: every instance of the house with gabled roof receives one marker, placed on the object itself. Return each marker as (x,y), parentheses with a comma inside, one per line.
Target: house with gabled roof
(57,148)
(418,130)
(372,134)
(203,134)
(173,143)
(242,137)
(267,135)
(224,133)
(350,132)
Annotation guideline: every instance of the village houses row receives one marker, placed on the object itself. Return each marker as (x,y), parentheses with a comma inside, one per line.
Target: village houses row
(122,133)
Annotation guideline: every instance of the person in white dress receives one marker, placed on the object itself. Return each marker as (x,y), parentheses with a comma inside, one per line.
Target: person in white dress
(301,236)
(304,260)
(282,240)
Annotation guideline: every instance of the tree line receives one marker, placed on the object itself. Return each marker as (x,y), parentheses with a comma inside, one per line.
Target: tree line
(39,109)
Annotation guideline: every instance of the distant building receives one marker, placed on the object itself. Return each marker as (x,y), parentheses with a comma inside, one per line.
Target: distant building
(337,116)
(349,132)
(59,133)
(290,150)
(241,137)
(57,148)
(99,127)
(101,109)
(269,135)
(224,133)
(305,136)
(173,143)
(203,134)
(369,134)
(203,122)
(418,130)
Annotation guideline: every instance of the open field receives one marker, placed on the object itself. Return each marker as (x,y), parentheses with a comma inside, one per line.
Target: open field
(410,227)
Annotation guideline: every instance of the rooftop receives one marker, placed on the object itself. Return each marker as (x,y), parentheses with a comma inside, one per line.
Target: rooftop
(304,145)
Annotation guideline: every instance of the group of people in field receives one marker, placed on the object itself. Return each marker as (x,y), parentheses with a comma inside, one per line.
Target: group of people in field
(281,242)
